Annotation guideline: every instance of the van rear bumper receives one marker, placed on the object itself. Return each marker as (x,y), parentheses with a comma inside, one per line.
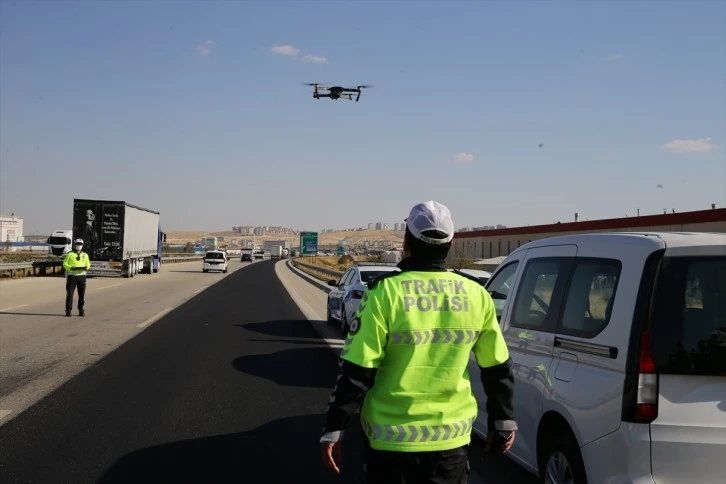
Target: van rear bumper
(622,457)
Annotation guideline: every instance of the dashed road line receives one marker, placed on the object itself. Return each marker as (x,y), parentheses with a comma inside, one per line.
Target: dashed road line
(154,318)
(106,287)
(9,309)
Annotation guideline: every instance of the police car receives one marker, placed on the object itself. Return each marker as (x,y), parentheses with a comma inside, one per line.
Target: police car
(344,299)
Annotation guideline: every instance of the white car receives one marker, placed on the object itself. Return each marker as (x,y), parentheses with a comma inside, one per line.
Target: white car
(619,349)
(483,276)
(344,299)
(215,260)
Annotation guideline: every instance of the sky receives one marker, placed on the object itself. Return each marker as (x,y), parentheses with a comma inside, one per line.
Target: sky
(513,113)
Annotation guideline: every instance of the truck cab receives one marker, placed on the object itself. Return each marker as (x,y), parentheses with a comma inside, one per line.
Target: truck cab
(60,242)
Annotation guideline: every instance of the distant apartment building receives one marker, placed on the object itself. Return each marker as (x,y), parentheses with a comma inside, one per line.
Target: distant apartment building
(264,230)
(370,226)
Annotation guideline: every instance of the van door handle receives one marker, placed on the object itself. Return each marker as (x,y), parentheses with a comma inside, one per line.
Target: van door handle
(585,347)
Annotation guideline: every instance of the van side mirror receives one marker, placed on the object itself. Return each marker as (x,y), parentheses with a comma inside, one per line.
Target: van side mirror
(332,283)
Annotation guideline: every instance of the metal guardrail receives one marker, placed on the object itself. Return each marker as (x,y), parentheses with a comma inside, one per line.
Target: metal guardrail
(321,273)
(41,267)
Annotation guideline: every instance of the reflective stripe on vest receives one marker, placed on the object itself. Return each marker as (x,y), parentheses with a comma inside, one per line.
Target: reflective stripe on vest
(417,433)
(433,336)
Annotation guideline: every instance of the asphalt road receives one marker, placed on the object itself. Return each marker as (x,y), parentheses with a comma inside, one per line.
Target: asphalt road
(40,348)
(231,386)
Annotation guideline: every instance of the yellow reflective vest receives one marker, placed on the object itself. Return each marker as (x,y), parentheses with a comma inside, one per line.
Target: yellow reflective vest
(73,260)
(418,328)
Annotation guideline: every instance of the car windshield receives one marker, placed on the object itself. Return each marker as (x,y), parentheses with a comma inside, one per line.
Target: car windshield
(368,276)
(59,241)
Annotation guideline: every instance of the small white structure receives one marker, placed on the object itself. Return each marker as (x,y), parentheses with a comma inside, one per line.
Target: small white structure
(392,256)
(11,228)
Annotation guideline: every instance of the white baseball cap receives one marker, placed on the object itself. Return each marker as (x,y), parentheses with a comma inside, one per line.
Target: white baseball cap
(427,216)
(78,241)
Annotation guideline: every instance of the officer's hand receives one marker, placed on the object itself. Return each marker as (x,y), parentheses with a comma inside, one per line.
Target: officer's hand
(495,443)
(332,454)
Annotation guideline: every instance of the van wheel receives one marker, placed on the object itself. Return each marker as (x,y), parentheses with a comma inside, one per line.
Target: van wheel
(560,461)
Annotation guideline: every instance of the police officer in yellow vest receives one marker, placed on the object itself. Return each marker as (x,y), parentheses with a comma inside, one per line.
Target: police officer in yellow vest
(76,264)
(406,359)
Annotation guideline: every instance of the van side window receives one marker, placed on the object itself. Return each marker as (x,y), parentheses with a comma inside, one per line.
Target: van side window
(533,306)
(590,297)
(689,317)
(500,285)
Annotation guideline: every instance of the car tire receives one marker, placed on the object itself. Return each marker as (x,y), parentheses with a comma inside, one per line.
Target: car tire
(560,461)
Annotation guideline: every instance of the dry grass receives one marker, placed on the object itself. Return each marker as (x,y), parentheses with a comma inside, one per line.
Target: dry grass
(333,262)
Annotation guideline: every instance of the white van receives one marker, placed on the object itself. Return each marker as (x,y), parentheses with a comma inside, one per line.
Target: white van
(619,349)
(215,260)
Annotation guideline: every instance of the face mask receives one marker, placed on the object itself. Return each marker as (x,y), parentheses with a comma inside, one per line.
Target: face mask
(79,247)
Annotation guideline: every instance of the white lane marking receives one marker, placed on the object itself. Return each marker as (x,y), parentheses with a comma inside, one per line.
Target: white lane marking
(8,309)
(5,413)
(154,318)
(106,287)
(200,289)
(334,341)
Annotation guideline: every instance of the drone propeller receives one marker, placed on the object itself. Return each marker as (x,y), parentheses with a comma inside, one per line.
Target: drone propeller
(364,86)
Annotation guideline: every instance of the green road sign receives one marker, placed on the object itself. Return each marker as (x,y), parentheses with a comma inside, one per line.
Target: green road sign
(308,243)
(341,250)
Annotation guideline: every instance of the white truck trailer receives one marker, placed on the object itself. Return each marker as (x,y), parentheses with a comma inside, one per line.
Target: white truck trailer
(121,239)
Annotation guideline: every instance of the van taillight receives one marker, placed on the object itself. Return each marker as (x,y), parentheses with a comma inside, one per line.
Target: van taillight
(646,409)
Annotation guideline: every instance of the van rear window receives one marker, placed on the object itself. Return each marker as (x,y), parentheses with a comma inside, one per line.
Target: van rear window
(214,255)
(689,316)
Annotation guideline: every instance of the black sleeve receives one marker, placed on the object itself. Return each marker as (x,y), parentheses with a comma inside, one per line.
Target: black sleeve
(353,383)
(498,384)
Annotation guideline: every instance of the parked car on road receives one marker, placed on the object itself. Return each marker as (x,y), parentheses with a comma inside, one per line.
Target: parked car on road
(619,349)
(344,299)
(483,276)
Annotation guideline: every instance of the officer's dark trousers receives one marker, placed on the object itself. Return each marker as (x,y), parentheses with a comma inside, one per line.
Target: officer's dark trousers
(433,467)
(73,282)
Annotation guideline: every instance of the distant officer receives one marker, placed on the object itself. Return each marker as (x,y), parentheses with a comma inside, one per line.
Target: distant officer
(76,264)
(406,359)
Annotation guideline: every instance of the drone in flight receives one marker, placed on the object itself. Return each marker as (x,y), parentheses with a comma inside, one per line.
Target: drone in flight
(336,92)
